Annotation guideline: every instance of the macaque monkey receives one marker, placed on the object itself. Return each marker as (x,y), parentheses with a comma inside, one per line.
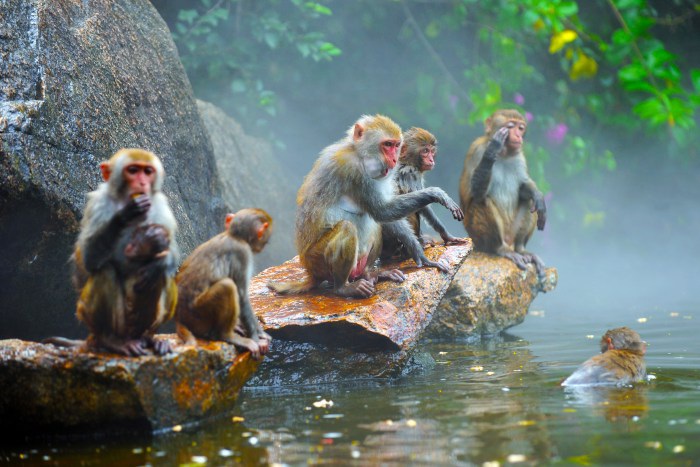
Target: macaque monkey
(501,203)
(418,154)
(621,361)
(213,285)
(124,264)
(342,203)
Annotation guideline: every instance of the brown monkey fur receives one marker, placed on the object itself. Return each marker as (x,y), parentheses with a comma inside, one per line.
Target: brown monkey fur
(123,298)
(501,203)
(621,361)
(213,284)
(418,154)
(341,204)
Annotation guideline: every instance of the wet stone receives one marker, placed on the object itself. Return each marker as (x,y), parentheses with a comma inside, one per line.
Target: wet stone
(50,389)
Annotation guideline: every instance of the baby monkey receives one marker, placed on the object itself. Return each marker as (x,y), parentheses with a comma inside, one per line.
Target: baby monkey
(620,363)
(213,285)
(417,156)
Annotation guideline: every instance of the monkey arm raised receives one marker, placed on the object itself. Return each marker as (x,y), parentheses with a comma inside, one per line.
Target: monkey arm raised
(482,173)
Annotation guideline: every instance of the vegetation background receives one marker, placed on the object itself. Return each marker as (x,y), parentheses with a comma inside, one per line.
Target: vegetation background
(611,89)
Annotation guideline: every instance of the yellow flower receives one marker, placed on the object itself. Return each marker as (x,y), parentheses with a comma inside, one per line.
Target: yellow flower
(559,40)
(583,67)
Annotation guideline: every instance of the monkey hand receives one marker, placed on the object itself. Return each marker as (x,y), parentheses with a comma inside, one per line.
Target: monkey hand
(450,240)
(496,143)
(441,197)
(541,210)
(137,207)
(394,275)
(441,264)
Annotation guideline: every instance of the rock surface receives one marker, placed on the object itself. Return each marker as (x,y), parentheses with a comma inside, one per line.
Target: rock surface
(78,81)
(46,388)
(252,176)
(487,295)
(322,338)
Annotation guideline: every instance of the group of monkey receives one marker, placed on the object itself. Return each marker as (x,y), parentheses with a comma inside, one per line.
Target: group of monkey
(354,207)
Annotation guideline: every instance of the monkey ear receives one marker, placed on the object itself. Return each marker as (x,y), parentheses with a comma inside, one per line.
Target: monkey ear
(358,132)
(487,125)
(229,219)
(610,344)
(106,170)
(261,230)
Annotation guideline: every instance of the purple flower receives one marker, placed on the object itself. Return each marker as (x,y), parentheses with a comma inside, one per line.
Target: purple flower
(518,98)
(529,116)
(453,101)
(557,133)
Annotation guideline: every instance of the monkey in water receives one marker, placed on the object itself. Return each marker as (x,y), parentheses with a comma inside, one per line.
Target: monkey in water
(502,204)
(620,363)
(125,258)
(213,285)
(342,203)
(418,154)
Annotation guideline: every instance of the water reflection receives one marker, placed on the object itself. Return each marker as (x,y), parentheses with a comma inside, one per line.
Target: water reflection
(617,405)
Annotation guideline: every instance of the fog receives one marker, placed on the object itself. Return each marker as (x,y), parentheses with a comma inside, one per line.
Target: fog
(621,240)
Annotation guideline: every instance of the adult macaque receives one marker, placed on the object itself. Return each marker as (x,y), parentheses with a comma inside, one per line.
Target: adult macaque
(418,154)
(501,203)
(213,284)
(123,318)
(621,361)
(341,204)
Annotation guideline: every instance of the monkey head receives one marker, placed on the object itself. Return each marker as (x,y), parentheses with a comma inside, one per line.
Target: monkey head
(623,339)
(419,149)
(252,225)
(132,172)
(377,140)
(517,127)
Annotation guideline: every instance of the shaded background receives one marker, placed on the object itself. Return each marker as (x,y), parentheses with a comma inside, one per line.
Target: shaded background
(621,181)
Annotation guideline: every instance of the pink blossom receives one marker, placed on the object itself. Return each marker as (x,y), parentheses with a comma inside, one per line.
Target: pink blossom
(518,98)
(557,133)
(529,116)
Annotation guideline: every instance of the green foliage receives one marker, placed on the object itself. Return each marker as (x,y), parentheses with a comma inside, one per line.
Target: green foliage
(581,69)
(222,43)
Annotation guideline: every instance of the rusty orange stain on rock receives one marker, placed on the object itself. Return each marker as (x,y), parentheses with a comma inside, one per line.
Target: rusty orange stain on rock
(189,393)
(397,312)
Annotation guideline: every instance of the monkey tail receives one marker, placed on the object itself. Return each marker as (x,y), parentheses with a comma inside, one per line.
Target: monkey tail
(63,342)
(292,287)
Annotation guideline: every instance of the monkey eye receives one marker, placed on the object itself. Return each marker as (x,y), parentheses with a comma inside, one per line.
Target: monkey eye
(133,169)
(391,144)
(149,170)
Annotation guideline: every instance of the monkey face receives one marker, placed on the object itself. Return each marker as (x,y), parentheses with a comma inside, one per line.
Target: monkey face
(389,148)
(427,157)
(139,178)
(516,135)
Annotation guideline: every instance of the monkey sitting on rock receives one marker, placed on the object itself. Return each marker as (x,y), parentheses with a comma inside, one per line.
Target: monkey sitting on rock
(418,154)
(620,363)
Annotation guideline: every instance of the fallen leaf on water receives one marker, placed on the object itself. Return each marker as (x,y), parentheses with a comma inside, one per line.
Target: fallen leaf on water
(323,403)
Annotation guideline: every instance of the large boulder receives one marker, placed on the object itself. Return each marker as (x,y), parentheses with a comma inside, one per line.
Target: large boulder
(487,295)
(252,176)
(78,81)
(320,337)
(50,389)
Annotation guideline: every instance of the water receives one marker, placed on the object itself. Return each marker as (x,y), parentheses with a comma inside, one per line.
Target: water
(493,402)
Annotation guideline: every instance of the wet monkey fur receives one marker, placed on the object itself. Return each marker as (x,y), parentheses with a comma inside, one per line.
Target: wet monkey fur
(501,203)
(342,203)
(126,256)
(213,285)
(621,361)
(418,154)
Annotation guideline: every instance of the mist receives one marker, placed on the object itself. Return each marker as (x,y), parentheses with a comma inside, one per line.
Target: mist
(621,239)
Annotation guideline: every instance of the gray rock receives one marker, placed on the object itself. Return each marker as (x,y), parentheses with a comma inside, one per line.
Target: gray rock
(78,81)
(487,295)
(251,176)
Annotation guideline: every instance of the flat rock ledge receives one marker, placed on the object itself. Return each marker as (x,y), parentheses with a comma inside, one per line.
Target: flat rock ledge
(47,389)
(321,338)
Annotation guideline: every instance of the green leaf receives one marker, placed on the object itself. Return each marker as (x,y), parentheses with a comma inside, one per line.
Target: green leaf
(187,16)
(695,78)
(632,72)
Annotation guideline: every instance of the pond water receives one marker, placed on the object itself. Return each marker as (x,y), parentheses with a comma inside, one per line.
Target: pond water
(488,403)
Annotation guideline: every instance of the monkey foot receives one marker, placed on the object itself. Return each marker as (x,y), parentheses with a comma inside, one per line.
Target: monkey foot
(392,275)
(361,288)
(519,259)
